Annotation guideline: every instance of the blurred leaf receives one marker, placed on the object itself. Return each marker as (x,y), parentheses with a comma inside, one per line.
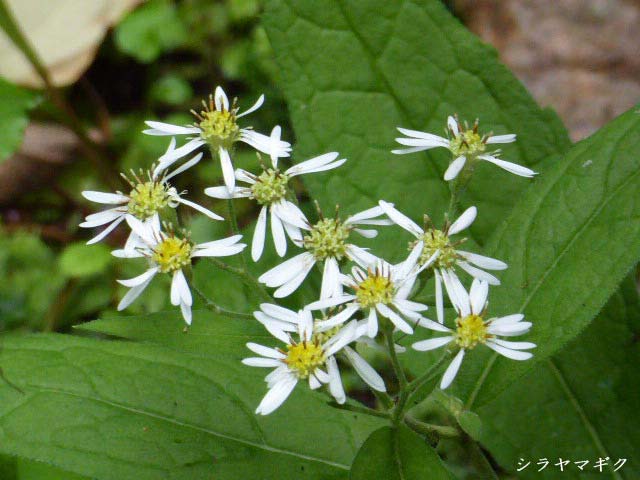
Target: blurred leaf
(416,64)
(571,239)
(114,410)
(151,30)
(15,103)
(240,10)
(582,404)
(65,34)
(397,454)
(171,89)
(81,260)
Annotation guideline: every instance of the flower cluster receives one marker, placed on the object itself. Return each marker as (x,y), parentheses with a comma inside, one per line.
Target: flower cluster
(362,296)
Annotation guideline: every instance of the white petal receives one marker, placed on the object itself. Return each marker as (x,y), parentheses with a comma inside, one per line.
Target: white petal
(431,325)
(396,319)
(335,382)
(277,231)
(410,305)
(253,108)
(330,279)
(184,167)
(404,151)
(257,244)
(169,158)
(482,261)
(439,299)
(316,164)
(222,242)
(457,293)
(101,218)
(160,128)
(508,319)
(314,383)
(453,125)
(454,168)
(280,313)
(145,230)
(507,352)
(452,370)
(434,140)
(289,287)
(361,256)
(185,309)
(290,213)
(287,270)
(223,192)
(477,273)
(180,289)
(220,99)
(509,138)
(265,351)
(106,231)
(227,169)
(261,362)
(366,233)
(277,395)
(431,344)
(365,371)
(401,219)
(140,279)
(339,319)
(265,144)
(509,330)
(372,323)
(132,294)
(200,209)
(478,295)
(513,345)
(463,221)
(106,198)
(509,166)
(330,302)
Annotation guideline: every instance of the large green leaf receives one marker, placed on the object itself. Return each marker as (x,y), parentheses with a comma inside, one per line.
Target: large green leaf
(15,102)
(570,240)
(114,410)
(354,71)
(397,454)
(584,402)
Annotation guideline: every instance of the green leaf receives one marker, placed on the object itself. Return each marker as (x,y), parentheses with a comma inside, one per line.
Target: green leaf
(403,63)
(82,260)
(569,242)
(114,410)
(30,470)
(151,30)
(583,403)
(397,454)
(15,102)
(171,89)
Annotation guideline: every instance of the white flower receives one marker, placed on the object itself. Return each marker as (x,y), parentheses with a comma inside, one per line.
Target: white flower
(327,241)
(448,256)
(217,126)
(311,358)
(168,253)
(383,290)
(472,329)
(145,200)
(270,189)
(465,144)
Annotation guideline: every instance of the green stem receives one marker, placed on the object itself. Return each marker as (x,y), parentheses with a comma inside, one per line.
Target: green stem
(12,29)
(393,355)
(407,392)
(214,307)
(359,409)
(246,277)
(383,397)
(429,429)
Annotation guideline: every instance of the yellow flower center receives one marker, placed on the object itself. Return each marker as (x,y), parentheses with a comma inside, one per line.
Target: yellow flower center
(373,290)
(471,330)
(172,254)
(270,187)
(219,127)
(147,198)
(467,142)
(305,357)
(327,238)
(323,337)
(437,240)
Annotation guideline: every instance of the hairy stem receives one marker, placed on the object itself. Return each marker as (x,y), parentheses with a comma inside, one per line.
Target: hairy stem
(429,428)
(214,307)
